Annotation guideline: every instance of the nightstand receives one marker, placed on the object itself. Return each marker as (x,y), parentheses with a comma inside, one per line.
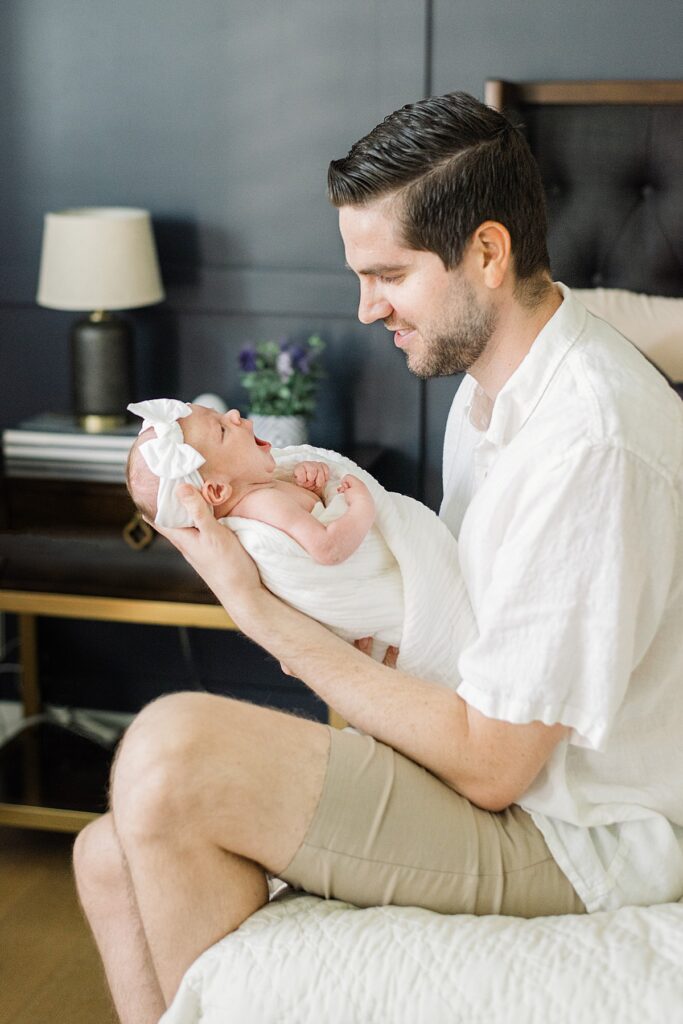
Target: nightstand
(63,554)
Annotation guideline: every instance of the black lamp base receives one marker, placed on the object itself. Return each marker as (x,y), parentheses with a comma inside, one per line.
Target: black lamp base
(102,371)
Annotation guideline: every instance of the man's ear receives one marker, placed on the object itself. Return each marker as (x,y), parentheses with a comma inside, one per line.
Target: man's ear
(493,251)
(216,492)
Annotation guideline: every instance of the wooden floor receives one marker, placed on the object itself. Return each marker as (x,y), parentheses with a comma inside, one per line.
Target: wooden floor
(49,968)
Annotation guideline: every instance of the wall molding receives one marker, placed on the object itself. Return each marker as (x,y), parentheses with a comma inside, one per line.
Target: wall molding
(222,291)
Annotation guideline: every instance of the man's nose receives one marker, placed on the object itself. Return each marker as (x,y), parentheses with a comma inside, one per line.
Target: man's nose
(372,306)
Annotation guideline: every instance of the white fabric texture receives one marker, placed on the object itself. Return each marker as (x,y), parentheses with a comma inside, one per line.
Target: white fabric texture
(567,500)
(168,456)
(654,323)
(402,585)
(302,960)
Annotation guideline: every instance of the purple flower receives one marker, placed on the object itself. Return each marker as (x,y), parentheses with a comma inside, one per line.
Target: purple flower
(248,359)
(299,356)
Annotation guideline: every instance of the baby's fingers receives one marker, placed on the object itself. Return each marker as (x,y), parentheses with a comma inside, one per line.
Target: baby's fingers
(306,474)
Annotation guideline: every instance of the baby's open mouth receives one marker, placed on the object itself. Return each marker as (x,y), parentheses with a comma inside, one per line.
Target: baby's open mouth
(261,443)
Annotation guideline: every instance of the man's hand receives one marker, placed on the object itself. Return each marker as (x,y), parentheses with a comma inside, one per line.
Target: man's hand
(312,475)
(213,551)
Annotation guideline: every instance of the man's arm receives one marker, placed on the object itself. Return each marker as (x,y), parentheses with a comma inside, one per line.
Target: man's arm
(490,762)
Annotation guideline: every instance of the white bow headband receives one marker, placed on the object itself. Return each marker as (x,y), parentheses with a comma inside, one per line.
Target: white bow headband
(168,457)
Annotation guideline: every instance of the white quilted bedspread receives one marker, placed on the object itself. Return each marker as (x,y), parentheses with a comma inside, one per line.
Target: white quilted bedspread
(303,960)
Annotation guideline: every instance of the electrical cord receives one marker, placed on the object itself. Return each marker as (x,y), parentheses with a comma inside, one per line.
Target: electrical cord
(10,645)
(6,726)
(189,660)
(82,724)
(77,722)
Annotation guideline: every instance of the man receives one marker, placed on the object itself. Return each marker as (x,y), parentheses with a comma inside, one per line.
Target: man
(550,783)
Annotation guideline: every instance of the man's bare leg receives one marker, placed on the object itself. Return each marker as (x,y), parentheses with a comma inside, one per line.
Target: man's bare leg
(106,893)
(207,792)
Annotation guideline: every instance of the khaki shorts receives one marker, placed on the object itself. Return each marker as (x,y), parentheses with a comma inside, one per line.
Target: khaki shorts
(387,831)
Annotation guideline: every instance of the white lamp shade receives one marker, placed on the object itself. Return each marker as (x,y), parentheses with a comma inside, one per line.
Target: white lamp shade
(99,258)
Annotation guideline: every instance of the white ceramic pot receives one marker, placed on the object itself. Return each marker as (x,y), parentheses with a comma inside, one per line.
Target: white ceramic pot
(281,431)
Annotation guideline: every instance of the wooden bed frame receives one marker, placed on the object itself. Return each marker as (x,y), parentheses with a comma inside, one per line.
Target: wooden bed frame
(501,94)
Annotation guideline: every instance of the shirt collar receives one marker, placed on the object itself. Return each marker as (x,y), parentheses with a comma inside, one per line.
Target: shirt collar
(522,392)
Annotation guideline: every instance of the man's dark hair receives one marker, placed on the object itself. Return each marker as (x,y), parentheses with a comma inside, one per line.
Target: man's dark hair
(457,164)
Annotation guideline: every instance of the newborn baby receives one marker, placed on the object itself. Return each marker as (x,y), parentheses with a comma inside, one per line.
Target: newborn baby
(235,472)
(326,536)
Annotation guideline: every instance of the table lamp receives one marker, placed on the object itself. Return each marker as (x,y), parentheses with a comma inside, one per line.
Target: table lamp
(99,259)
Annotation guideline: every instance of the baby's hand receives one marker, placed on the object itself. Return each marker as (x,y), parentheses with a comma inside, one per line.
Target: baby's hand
(311,475)
(354,489)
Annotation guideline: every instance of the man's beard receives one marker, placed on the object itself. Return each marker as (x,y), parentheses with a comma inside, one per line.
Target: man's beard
(455,347)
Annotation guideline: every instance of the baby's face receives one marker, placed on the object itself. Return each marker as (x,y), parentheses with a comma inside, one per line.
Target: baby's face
(228,444)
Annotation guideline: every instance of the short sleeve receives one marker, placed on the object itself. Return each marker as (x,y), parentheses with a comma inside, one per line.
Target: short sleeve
(576,591)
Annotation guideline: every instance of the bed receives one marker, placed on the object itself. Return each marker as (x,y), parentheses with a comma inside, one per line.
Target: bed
(611,155)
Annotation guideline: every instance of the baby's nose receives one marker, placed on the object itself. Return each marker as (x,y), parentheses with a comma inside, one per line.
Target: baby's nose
(234,416)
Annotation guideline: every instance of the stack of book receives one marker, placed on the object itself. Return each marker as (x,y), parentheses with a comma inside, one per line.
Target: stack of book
(53,445)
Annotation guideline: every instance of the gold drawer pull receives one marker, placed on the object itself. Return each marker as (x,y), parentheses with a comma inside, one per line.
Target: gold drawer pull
(137,533)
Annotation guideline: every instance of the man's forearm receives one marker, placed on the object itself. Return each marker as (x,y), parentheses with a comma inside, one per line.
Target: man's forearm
(491,762)
(426,722)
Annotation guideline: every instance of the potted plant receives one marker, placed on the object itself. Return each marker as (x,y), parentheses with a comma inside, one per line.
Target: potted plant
(282,380)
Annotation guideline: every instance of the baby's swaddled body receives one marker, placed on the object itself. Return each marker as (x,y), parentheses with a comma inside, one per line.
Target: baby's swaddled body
(361,596)
(402,586)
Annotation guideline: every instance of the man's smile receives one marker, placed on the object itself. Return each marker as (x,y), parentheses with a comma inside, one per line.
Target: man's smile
(401,334)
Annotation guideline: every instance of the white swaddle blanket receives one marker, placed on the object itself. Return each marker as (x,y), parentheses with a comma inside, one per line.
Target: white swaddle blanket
(402,586)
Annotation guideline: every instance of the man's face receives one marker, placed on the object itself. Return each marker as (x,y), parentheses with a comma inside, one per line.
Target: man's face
(437,319)
(228,444)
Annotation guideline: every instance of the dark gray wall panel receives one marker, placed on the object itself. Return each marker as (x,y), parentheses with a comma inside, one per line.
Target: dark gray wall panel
(537,39)
(221,118)
(221,114)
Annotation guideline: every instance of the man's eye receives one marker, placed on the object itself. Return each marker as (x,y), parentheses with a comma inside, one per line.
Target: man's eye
(387,280)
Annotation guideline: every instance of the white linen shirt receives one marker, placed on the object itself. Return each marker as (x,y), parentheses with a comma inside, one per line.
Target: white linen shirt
(566,496)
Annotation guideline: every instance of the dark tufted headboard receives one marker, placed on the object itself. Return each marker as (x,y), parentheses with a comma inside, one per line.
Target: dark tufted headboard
(611,156)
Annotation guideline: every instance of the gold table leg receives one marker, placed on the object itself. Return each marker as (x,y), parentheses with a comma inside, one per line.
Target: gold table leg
(32,705)
(30,688)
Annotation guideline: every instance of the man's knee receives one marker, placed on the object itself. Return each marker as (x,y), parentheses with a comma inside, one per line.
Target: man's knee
(153,776)
(97,859)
